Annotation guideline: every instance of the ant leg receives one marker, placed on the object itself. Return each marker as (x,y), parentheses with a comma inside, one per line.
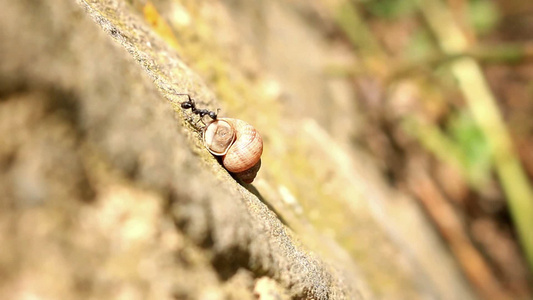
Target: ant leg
(202,115)
(198,121)
(188,96)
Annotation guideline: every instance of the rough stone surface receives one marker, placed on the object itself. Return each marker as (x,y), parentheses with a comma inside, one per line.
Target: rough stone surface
(106,191)
(95,171)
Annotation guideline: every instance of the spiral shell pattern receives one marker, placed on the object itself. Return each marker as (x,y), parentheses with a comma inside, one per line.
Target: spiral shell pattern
(239,144)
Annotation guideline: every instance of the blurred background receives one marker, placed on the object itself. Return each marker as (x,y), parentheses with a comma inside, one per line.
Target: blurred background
(438,95)
(398,133)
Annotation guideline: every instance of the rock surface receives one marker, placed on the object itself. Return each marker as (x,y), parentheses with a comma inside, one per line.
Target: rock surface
(107,193)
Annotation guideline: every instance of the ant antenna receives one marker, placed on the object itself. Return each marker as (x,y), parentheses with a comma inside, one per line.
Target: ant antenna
(191,104)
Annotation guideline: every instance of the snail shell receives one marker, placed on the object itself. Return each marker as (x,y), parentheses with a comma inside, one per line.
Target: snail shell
(239,145)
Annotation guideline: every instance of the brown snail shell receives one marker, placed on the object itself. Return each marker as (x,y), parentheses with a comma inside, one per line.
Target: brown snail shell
(239,145)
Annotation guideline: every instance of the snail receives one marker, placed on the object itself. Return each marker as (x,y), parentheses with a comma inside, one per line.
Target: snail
(237,143)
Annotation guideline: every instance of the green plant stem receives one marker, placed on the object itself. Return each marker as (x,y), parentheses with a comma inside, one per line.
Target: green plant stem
(506,53)
(486,114)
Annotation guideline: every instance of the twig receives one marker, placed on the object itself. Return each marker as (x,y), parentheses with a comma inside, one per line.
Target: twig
(453,231)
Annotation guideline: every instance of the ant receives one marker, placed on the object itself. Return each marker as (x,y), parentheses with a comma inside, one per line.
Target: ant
(190,104)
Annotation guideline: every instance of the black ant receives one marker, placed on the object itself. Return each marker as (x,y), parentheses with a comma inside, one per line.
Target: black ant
(190,104)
